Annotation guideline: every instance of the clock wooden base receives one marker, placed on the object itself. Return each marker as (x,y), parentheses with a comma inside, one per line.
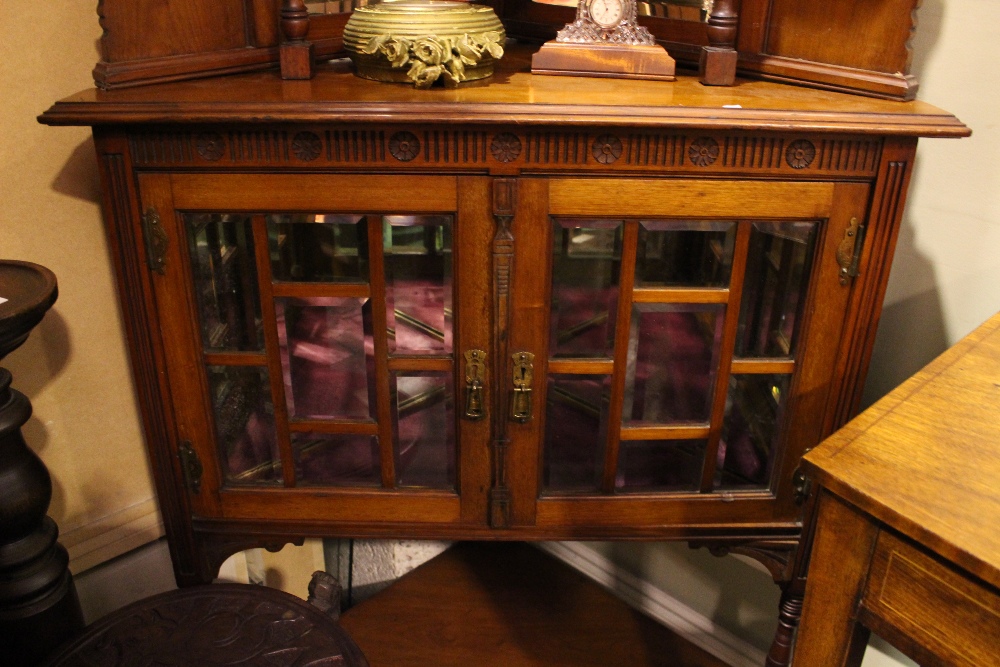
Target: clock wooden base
(615,61)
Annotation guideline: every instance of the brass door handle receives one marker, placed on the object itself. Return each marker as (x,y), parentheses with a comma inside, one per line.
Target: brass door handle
(475,377)
(523,372)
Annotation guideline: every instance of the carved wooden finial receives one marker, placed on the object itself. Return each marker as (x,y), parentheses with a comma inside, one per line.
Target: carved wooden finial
(296,52)
(718,60)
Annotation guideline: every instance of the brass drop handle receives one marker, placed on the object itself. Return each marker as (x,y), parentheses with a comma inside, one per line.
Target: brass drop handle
(475,377)
(523,371)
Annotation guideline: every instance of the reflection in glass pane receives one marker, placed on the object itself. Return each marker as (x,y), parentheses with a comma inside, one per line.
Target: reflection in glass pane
(318,248)
(418,279)
(225,281)
(244,425)
(323,459)
(661,465)
(423,412)
(576,428)
(672,362)
(750,431)
(585,270)
(684,253)
(327,357)
(777,276)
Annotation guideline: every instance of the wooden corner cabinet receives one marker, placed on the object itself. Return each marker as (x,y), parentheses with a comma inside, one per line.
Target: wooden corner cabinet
(529,308)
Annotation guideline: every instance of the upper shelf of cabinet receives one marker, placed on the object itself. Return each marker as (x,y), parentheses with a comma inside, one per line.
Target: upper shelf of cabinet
(512,96)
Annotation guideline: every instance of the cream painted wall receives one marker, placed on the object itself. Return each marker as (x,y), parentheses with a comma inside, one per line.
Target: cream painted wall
(74,367)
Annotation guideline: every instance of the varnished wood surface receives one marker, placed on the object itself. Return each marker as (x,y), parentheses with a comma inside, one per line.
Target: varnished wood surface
(509,605)
(926,458)
(512,96)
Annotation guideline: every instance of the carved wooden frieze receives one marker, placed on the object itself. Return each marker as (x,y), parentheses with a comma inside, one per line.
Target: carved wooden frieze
(475,148)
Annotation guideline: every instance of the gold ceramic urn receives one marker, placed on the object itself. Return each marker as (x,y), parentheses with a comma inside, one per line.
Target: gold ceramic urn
(420,42)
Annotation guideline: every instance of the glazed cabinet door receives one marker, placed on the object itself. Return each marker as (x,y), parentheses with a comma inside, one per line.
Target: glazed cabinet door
(683,338)
(325,339)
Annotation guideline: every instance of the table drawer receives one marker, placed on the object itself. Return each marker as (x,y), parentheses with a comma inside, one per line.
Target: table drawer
(943,609)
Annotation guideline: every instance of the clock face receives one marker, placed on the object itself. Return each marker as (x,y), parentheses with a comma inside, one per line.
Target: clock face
(607,13)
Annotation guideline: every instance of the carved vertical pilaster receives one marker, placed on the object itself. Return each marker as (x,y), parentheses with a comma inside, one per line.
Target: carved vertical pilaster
(504,198)
(717,66)
(296,53)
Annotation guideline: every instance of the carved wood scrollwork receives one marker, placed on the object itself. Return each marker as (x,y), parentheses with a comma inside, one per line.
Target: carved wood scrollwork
(215,549)
(775,555)
(504,203)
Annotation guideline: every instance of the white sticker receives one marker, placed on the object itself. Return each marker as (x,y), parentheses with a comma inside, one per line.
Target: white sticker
(732,106)
(2,300)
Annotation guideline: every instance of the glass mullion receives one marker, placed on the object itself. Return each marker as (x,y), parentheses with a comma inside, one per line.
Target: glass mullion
(624,343)
(272,348)
(383,390)
(729,333)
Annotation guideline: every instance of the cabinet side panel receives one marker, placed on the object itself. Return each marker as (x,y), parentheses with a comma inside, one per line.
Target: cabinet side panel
(884,218)
(119,201)
(866,35)
(138,29)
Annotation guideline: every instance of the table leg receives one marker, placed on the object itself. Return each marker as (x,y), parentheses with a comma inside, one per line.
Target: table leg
(829,635)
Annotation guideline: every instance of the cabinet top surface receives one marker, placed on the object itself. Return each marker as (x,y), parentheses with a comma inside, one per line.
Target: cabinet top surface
(512,96)
(926,458)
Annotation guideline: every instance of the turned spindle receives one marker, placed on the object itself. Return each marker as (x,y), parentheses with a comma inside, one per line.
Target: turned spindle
(39,608)
(296,51)
(717,66)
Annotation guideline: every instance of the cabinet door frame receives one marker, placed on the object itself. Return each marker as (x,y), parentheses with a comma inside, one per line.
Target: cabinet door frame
(815,379)
(174,194)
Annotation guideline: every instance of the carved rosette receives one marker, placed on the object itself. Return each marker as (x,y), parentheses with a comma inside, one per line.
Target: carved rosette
(703,151)
(607,148)
(211,146)
(506,147)
(404,146)
(800,154)
(306,146)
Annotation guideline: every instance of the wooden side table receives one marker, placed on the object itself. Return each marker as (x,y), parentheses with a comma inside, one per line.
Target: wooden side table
(905,539)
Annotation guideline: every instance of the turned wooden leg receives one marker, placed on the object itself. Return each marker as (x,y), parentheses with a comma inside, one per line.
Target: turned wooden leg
(717,66)
(789,612)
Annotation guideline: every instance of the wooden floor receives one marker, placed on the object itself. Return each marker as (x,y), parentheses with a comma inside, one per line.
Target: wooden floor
(509,605)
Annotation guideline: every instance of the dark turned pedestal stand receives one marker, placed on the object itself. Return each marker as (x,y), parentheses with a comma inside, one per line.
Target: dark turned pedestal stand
(39,608)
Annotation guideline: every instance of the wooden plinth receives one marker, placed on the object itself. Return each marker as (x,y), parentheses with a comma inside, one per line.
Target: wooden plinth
(509,605)
(717,66)
(604,60)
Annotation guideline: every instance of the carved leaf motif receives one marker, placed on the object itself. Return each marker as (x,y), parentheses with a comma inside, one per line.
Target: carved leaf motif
(607,148)
(506,147)
(703,151)
(800,154)
(404,146)
(306,146)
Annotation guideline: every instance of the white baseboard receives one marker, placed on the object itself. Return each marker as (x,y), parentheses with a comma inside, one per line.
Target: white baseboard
(110,536)
(658,605)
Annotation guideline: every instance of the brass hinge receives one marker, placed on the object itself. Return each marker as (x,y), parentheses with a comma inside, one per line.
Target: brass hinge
(191,466)
(156,240)
(849,251)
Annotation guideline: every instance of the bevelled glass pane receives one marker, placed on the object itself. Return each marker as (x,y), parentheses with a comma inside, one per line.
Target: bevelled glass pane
(318,248)
(327,357)
(418,279)
(774,290)
(754,412)
(660,465)
(673,361)
(323,459)
(244,425)
(576,429)
(225,281)
(585,277)
(423,411)
(681,253)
